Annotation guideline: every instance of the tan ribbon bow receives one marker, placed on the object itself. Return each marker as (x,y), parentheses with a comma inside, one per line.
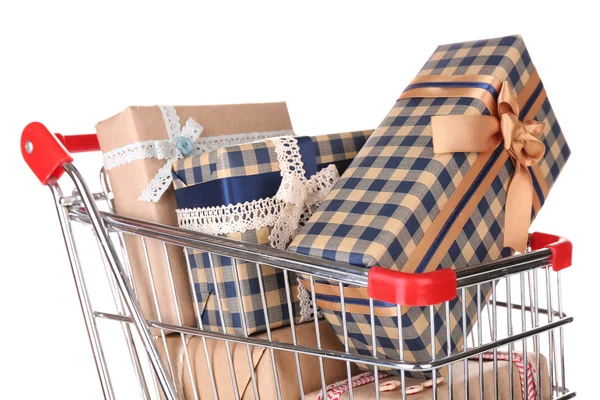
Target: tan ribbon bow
(483,133)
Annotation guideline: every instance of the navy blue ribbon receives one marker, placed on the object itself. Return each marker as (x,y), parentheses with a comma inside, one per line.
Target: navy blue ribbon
(241,189)
(308,154)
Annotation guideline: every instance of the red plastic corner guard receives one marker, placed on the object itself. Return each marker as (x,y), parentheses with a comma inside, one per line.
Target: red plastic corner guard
(412,289)
(561,248)
(43,152)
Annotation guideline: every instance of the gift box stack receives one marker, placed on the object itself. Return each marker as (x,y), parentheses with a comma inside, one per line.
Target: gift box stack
(222,157)
(452,177)
(260,193)
(140,145)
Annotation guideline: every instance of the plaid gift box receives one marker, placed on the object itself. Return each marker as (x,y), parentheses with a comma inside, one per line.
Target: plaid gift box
(254,192)
(452,177)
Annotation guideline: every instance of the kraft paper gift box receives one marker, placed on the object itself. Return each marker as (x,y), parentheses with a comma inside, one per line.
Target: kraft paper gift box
(285,361)
(452,177)
(367,390)
(139,146)
(261,193)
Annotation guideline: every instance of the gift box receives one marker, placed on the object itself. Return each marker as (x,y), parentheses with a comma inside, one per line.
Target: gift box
(139,145)
(364,386)
(285,361)
(261,193)
(452,177)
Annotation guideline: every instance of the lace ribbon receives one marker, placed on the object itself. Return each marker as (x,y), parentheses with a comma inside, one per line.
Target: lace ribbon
(300,196)
(307,311)
(232,218)
(182,142)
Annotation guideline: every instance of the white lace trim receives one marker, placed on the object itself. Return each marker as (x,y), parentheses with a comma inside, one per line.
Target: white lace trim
(205,144)
(289,157)
(130,153)
(182,142)
(301,200)
(162,149)
(307,311)
(232,218)
(256,214)
(171,120)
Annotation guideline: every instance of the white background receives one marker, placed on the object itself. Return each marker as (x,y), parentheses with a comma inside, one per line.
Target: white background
(339,66)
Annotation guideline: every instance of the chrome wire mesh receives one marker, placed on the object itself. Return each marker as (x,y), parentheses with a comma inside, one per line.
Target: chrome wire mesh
(523,319)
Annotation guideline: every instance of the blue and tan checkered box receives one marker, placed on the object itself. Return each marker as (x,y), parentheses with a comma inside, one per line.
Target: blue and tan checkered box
(236,192)
(402,206)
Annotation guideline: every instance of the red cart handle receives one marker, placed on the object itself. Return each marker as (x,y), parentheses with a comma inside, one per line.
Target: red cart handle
(436,287)
(45,153)
(80,143)
(561,248)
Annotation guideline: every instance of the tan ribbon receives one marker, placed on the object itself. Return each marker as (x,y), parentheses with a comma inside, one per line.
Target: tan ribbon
(483,133)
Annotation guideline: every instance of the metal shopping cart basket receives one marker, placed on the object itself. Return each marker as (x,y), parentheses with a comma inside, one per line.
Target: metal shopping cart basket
(520,326)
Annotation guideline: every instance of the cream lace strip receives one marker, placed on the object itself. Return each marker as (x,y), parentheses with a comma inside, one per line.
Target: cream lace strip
(295,201)
(232,218)
(182,142)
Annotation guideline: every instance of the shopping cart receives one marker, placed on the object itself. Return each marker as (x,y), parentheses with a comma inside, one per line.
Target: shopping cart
(524,314)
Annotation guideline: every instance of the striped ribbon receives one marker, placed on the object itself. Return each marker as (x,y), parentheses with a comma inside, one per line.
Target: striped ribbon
(532,384)
(336,390)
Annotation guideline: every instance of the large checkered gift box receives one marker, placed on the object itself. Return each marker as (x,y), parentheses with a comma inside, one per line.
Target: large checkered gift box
(452,177)
(259,192)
